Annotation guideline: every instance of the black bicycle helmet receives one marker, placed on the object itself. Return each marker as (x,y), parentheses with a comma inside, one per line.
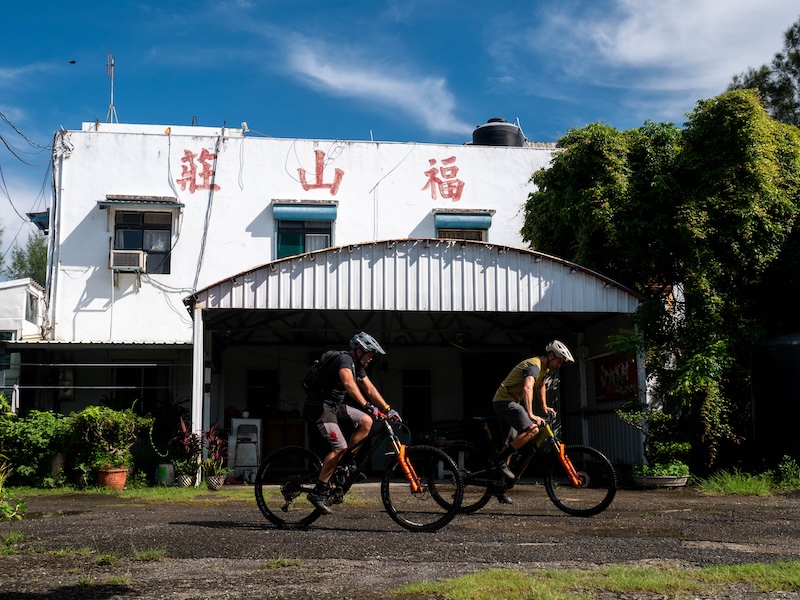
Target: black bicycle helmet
(366,343)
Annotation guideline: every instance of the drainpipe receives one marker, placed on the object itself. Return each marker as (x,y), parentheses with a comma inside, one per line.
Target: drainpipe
(198,392)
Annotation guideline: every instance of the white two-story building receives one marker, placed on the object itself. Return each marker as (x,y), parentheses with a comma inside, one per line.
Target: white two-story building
(210,265)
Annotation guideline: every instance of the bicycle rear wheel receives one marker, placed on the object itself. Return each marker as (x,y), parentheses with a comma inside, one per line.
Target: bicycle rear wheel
(437,500)
(598,482)
(284,479)
(476,471)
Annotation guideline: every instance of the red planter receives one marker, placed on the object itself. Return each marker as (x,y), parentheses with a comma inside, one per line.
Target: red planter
(113,478)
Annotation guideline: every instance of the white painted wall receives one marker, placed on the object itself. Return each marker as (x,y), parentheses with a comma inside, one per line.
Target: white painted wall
(13,301)
(381,195)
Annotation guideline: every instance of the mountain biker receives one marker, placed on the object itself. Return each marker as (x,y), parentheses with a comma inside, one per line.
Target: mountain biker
(513,402)
(344,376)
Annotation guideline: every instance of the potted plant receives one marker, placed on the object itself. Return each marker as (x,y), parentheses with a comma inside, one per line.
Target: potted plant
(186,450)
(664,453)
(214,464)
(105,442)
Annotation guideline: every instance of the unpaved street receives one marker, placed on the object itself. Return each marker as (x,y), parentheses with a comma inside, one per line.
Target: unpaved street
(221,550)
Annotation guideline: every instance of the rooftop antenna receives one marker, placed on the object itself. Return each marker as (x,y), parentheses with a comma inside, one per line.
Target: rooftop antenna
(111,117)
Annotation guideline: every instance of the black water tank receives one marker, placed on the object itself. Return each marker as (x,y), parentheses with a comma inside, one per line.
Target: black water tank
(498,132)
(776,399)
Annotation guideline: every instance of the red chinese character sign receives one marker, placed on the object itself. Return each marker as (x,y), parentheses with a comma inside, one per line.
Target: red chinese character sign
(615,378)
(319,183)
(444,180)
(194,178)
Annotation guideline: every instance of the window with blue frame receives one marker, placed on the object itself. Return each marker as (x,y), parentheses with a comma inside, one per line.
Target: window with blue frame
(303,228)
(463,225)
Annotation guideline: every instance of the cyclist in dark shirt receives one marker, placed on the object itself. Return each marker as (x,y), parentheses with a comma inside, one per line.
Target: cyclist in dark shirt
(344,376)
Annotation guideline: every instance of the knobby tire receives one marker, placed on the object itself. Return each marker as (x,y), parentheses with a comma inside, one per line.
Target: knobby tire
(439,500)
(598,482)
(282,484)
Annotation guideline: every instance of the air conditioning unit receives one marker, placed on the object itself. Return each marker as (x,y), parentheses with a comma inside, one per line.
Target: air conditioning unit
(126,260)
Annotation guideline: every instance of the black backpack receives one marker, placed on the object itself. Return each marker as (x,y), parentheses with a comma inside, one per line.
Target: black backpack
(312,375)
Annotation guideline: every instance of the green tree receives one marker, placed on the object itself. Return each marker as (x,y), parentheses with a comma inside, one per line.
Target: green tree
(700,221)
(778,82)
(30,261)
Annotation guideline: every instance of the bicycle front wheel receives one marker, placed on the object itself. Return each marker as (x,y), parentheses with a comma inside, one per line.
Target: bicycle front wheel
(438,498)
(284,480)
(598,482)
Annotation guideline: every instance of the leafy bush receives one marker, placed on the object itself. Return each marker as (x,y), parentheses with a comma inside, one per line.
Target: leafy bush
(106,436)
(789,473)
(674,468)
(30,442)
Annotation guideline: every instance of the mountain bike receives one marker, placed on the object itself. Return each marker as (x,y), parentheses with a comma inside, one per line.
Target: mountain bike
(579,480)
(421,488)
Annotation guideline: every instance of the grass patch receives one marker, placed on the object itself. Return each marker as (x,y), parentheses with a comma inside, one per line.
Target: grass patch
(117,580)
(279,563)
(151,555)
(10,541)
(736,482)
(150,495)
(672,582)
(107,560)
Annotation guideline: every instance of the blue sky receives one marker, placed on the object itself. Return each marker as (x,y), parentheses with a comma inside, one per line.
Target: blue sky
(397,70)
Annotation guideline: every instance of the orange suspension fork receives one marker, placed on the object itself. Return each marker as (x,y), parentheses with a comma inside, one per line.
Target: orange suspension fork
(567,464)
(405,464)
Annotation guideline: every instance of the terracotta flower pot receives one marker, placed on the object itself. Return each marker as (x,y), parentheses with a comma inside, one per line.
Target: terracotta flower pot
(113,478)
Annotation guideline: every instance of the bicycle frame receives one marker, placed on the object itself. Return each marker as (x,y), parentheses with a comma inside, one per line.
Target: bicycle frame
(578,479)
(545,442)
(398,449)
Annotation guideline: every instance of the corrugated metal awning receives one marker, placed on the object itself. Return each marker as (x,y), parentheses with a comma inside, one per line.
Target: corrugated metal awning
(420,275)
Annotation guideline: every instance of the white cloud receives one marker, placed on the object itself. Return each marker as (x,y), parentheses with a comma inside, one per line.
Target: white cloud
(343,72)
(679,45)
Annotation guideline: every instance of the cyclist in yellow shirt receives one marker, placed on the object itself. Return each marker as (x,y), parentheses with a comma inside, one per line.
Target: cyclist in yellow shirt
(513,401)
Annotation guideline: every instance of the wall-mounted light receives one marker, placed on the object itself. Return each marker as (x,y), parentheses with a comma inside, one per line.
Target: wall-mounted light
(573,270)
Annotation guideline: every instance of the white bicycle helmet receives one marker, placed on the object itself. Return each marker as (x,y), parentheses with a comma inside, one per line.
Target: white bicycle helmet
(560,350)
(366,343)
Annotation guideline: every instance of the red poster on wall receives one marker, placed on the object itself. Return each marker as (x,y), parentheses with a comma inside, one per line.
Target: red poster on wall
(614,378)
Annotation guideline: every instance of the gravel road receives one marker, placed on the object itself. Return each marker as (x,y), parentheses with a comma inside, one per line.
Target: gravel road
(223,549)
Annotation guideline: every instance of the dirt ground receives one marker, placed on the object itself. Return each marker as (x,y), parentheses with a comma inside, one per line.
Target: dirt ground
(219,549)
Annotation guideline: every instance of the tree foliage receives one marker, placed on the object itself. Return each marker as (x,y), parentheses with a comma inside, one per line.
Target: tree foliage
(702,221)
(779,82)
(30,261)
